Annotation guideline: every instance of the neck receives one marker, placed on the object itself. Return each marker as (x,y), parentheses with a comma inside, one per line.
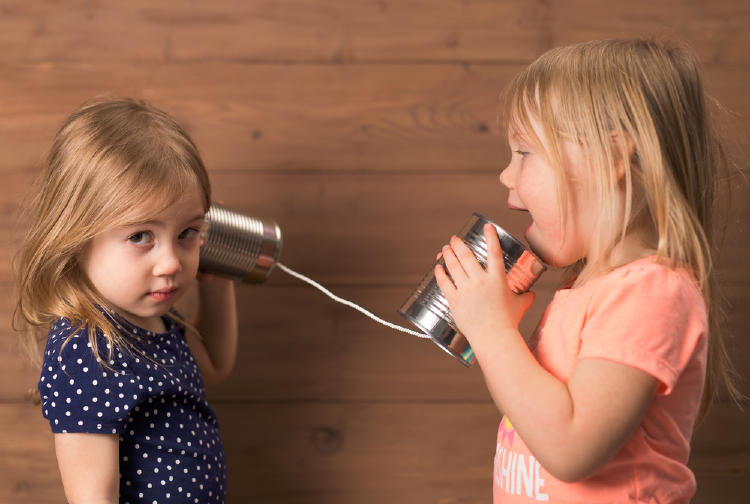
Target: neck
(632,247)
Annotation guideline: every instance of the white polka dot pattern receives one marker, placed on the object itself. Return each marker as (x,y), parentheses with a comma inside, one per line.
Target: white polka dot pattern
(170,449)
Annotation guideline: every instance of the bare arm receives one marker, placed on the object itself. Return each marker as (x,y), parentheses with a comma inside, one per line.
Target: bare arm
(216,349)
(89,467)
(573,429)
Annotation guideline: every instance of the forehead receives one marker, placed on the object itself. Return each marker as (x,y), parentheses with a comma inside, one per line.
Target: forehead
(187,203)
(524,127)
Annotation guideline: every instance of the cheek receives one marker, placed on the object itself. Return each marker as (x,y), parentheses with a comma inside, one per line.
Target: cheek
(95,264)
(192,258)
(583,208)
(544,209)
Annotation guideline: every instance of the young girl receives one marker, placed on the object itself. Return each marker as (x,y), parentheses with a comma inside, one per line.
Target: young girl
(615,159)
(113,243)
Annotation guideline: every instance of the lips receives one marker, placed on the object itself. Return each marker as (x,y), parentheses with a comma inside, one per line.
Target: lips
(163,294)
(512,206)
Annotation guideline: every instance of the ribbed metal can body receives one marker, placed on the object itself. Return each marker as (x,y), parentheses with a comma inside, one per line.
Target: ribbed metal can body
(428,309)
(239,246)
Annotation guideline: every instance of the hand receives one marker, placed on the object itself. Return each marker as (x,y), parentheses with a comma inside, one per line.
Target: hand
(481,302)
(206,277)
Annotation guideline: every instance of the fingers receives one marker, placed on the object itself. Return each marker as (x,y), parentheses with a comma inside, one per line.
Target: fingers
(461,263)
(444,282)
(454,266)
(204,277)
(527,298)
(466,257)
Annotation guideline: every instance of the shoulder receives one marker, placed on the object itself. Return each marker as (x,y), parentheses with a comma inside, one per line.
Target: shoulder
(646,299)
(649,283)
(67,353)
(79,392)
(68,338)
(647,315)
(71,349)
(646,304)
(62,329)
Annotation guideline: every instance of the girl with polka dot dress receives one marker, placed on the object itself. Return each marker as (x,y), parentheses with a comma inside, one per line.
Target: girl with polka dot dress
(113,242)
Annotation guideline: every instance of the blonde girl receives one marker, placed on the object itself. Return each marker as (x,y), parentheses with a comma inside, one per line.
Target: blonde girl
(615,158)
(113,242)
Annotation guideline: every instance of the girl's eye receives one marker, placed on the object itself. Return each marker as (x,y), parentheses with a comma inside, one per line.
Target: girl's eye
(188,233)
(521,153)
(140,238)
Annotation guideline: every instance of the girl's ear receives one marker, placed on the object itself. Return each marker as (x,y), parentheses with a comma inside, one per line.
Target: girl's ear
(624,148)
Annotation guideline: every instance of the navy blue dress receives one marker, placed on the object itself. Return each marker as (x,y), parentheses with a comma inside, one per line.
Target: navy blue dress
(170,449)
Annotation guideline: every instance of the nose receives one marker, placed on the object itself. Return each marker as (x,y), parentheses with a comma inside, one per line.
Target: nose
(506,176)
(168,262)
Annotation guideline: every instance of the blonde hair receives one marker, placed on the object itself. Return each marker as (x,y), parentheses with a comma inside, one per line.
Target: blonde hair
(638,105)
(114,161)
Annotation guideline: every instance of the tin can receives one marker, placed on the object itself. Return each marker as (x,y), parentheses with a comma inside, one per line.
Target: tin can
(428,309)
(239,246)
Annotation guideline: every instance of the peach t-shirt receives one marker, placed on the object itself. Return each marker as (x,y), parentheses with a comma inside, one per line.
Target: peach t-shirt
(644,315)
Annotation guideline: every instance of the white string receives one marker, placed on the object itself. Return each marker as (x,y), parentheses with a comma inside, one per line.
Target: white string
(350,304)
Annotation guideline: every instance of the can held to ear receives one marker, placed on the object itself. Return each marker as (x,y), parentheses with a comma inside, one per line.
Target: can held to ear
(428,309)
(239,246)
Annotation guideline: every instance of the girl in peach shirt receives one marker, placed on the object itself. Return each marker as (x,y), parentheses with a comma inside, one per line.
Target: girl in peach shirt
(614,157)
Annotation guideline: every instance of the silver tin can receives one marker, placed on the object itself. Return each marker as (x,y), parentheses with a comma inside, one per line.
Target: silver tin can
(239,246)
(427,309)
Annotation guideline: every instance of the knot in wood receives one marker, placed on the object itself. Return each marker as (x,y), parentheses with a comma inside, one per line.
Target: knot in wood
(326,440)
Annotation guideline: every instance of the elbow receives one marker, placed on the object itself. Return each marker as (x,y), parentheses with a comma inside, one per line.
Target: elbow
(216,375)
(570,468)
(569,475)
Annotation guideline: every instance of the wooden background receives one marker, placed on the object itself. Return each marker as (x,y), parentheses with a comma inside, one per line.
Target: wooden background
(367,129)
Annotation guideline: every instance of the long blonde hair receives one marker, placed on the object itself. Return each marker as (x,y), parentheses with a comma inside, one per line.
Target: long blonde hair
(652,94)
(113,162)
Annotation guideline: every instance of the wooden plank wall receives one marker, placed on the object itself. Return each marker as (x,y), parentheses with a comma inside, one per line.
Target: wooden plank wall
(367,130)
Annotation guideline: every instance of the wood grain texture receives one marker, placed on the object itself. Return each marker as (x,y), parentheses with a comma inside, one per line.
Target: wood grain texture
(28,467)
(368,130)
(361,227)
(300,452)
(296,344)
(416,452)
(362,31)
(301,117)
(278,117)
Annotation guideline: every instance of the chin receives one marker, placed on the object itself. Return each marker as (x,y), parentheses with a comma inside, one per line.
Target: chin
(539,252)
(549,255)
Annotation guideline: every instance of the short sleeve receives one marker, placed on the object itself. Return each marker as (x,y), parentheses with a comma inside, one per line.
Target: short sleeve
(650,317)
(78,393)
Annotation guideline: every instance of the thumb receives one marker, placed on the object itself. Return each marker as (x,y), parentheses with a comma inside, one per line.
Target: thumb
(527,299)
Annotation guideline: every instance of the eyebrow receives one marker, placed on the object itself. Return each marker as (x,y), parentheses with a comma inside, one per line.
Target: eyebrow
(197,217)
(517,139)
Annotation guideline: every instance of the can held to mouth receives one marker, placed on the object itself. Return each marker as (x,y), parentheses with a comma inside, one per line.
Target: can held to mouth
(428,309)
(239,246)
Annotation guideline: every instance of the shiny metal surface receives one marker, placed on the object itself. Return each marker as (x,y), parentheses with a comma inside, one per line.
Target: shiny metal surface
(427,309)
(239,246)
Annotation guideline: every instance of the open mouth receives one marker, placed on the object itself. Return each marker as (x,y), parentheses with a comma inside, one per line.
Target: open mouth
(526,231)
(511,206)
